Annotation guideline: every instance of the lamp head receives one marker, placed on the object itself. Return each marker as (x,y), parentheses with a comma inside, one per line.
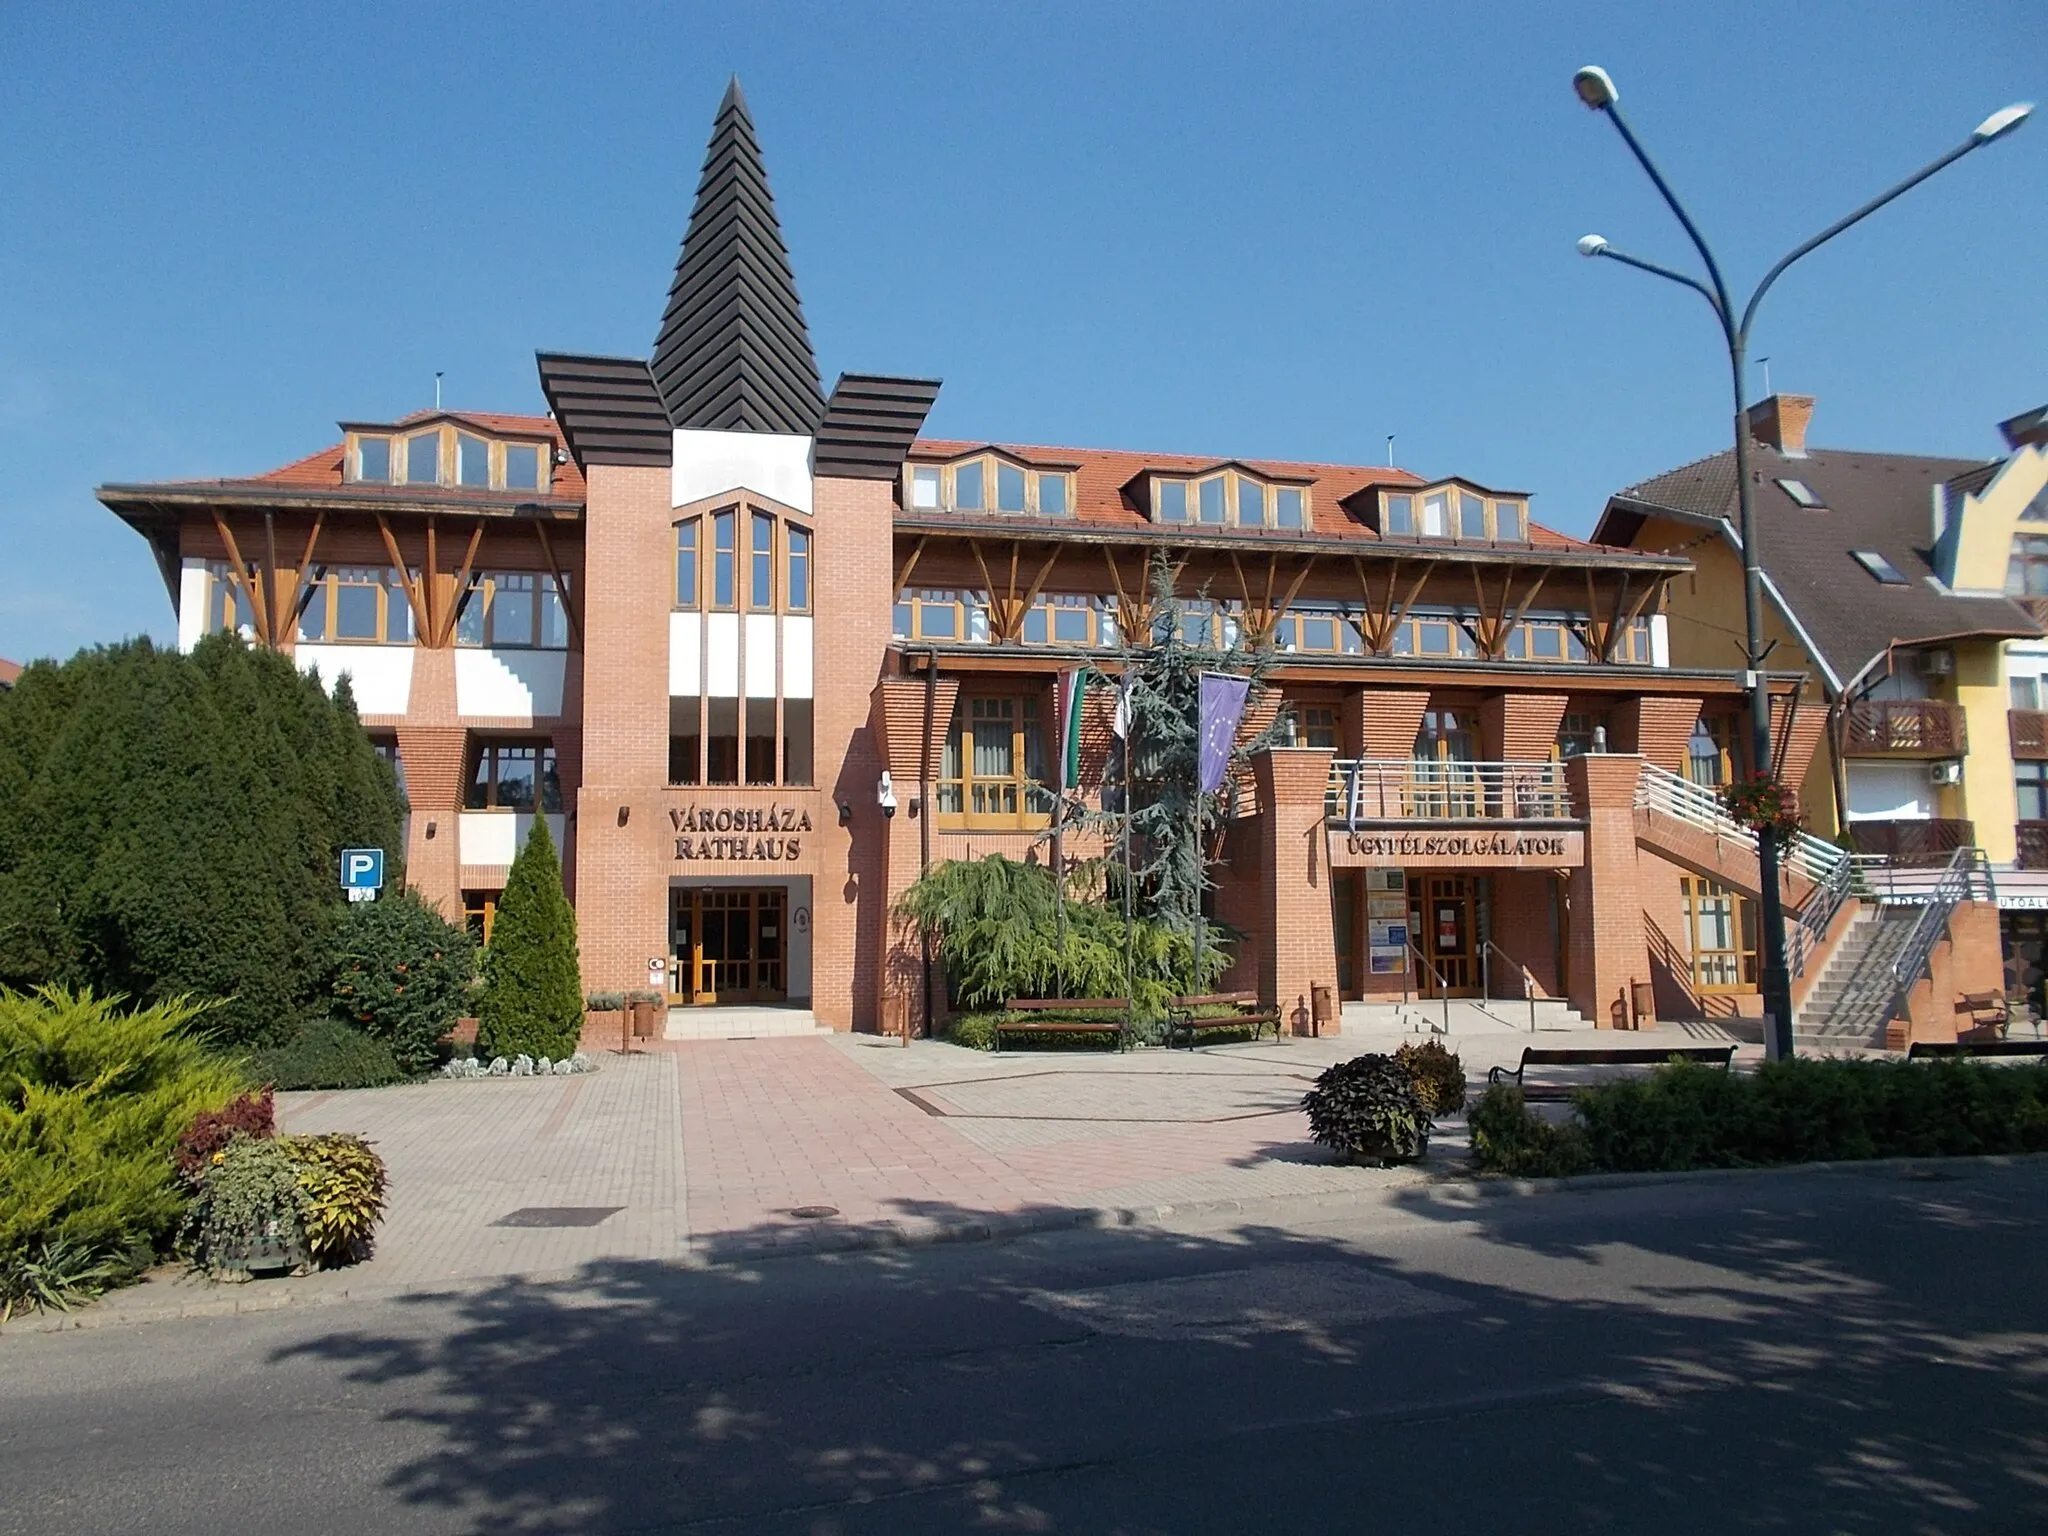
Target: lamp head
(1592,245)
(1595,87)
(1999,124)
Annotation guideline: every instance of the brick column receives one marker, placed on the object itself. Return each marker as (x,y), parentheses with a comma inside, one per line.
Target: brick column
(433,758)
(1297,947)
(1389,719)
(1520,727)
(1656,726)
(1607,950)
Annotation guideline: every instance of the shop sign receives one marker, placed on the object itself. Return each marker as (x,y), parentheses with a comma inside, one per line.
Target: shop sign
(1502,849)
(739,832)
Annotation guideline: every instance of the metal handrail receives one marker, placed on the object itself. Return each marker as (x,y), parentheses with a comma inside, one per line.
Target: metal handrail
(1451,789)
(1528,980)
(1443,987)
(1659,789)
(1957,884)
(1819,912)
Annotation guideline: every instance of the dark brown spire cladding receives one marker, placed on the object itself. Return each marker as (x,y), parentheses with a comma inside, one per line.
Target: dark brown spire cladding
(733,353)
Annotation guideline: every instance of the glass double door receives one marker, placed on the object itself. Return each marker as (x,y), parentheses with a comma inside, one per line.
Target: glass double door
(731,944)
(1441,922)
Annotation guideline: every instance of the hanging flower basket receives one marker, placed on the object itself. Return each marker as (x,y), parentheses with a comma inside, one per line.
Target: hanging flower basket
(1763,804)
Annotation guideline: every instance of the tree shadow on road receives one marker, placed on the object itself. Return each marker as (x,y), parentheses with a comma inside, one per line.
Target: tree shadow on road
(1688,1361)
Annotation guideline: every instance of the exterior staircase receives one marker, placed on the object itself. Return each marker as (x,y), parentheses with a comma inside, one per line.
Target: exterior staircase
(1851,1005)
(741,1023)
(1686,824)
(1463,1016)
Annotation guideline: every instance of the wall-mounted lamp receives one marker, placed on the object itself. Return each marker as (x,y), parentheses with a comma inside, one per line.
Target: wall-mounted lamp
(885,794)
(845,814)
(432,827)
(916,806)
(625,814)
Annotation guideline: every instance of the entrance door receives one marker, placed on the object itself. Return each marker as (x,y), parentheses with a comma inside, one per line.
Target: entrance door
(1440,918)
(731,944)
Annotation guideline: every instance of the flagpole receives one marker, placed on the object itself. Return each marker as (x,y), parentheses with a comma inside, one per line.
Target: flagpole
(1130,724)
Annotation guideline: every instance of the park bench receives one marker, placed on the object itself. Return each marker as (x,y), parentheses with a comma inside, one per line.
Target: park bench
(1981,1016)
(1620,1056)
(1115,1028)
(1181,1020)
(1926,1050)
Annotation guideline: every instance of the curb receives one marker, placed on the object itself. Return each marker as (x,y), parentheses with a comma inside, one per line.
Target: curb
(1459,1190)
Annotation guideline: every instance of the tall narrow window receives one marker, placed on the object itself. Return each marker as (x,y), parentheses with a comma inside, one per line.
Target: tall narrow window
(796,741)
(967,487)
(723,555)
(1009,488)
(423,459)
(1471,516)
(1436,515)
(472,460)
(1209,497)
(722,742)
(799,568)
(685,739)
(1251,503)
(760,741)
(686,562)
(761,563)
(522,467)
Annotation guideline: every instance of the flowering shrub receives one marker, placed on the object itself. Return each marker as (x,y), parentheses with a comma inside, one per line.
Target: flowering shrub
(1762,803)
(252,1114)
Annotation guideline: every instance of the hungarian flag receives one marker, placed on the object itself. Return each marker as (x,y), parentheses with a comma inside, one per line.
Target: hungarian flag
(1073,688)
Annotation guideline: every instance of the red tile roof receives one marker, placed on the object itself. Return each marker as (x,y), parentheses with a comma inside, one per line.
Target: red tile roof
(1102,474)
(9,671)
(322,470)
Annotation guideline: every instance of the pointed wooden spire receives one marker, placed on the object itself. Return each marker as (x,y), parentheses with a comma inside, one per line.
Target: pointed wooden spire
(733,353)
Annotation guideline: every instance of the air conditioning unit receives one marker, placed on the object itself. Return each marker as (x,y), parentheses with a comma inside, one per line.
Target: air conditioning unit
(1945,773)
(1936,662)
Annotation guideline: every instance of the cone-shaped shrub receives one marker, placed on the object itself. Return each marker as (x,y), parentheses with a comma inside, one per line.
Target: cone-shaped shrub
(532,1002)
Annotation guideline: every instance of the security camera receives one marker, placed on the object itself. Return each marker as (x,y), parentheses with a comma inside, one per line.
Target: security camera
(885,795)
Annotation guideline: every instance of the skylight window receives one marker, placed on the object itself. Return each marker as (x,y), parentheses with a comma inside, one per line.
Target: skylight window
(1882,569)
(1803,494)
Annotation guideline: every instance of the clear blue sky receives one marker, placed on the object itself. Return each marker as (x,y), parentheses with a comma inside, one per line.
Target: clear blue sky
(1274,231)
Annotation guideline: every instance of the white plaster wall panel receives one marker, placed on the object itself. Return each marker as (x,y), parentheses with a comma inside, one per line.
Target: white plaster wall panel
(722,655)
(380,675)
(1889,791)
(193,587)
(514,684)
(796,658)
(775,464)
(760,655)
(1660,640)
(494,838)
(685,654)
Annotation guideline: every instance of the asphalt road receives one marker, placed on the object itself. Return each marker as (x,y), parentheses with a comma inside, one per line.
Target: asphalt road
(1849,1351)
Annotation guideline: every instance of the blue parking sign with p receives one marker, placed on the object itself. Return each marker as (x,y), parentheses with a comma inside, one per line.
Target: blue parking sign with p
(362,869)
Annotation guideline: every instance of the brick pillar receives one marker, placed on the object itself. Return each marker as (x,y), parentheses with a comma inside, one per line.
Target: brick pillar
(1519,727)
(1608,951)
(1389,719)
(434,758)
(1297,947)
(1656,726)
(1795,738)
(896,718)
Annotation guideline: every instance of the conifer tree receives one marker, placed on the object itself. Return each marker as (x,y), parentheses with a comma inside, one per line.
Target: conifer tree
(532,1000)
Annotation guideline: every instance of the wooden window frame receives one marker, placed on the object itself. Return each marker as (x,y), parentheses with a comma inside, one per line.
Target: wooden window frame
(960,600)
(1029,710)
(1493,508)
(991,465)
(482,589)
(1290,632)
(323,588)
(692,530)
(485,749)
(1101,611)
(1693,891)
(448,459)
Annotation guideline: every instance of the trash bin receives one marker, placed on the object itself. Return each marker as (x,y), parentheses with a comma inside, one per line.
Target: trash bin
(1322,1008)
(1642,1002)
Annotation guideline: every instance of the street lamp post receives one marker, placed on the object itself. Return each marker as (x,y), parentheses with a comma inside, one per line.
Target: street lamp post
(1596,89)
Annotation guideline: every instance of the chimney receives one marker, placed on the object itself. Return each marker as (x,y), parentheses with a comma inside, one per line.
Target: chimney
(1780,423)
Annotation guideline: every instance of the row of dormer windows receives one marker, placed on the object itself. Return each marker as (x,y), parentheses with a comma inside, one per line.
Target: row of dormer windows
(445,456)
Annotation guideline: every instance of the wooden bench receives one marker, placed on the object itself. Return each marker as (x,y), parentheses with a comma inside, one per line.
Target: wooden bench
(1926,1050)
(1981,1016)
(1120,1006)
(1630,1056)
(1181,1019)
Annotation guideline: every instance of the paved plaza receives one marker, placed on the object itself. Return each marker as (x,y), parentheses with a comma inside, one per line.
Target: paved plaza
(717,1150)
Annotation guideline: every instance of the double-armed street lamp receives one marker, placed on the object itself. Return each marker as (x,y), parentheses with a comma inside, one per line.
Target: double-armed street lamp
(1596,89)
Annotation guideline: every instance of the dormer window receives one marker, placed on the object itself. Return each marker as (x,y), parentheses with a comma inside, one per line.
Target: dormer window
(1454,512)
(444,455)
(989,483)
(1228,498)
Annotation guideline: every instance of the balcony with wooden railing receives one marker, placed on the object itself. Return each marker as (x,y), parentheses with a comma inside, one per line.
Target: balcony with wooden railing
(1905,728)
(1926,840)
(1364,791)
(2029,731)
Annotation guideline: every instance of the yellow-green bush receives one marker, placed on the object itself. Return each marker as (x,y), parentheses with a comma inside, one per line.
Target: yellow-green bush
(343,1182)
(92,1101)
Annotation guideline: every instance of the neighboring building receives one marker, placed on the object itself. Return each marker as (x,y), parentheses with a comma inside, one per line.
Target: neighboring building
(701,609)
(1908,589)
(9,671)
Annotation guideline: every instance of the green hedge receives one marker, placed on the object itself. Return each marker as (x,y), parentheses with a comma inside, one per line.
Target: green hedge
(1688,1116)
